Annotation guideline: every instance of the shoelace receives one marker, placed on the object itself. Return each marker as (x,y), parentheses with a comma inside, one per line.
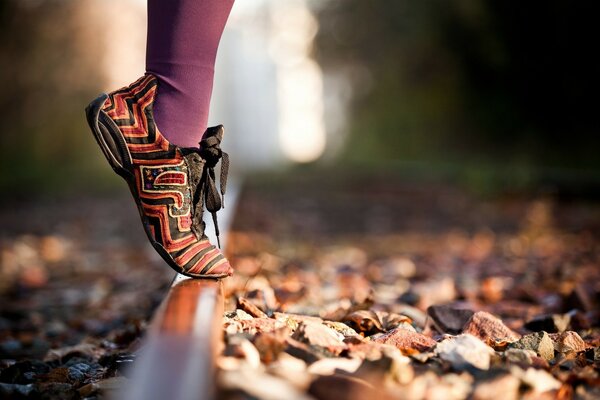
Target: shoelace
(210,151)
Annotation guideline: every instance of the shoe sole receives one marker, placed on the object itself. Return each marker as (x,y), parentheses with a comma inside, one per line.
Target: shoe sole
(93,112)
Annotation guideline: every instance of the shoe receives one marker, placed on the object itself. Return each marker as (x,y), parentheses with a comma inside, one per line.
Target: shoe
(170,184)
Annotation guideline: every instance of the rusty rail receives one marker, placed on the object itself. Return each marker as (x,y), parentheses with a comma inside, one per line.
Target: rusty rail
(177,361)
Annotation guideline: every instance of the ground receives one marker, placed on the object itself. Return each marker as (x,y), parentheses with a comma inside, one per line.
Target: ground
(344,288)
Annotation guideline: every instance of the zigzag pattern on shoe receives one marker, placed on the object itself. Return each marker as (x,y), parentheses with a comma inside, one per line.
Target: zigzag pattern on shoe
(163,182)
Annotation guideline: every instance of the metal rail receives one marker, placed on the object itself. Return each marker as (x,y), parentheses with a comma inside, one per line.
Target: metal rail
(177,361)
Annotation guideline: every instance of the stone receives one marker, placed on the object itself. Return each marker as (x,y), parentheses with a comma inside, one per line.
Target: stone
(538,379)
(16,391)
(259,384)
(580,298)
(293,320)
(429,385)
(520,356)
(271,344)
(504,386)
(407,341)
(108,387)
(427,293)
(329,366)
(487,327)
(539,342)
(291,369)
(465,351)
(551,323)
(257,325)
(390,368)
(448,319)
(302,351)
(24,372)
(77,372)
(320,335)
(341,328)
(334,387)
(567,342)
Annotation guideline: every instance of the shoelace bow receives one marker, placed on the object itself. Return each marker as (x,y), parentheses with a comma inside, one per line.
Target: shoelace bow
(210,151)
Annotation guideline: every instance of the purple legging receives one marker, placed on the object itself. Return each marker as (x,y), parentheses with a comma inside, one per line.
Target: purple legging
(183,37)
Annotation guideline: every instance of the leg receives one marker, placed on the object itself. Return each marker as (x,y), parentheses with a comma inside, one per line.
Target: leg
(183,37)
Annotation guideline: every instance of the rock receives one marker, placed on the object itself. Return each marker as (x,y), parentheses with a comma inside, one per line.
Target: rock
(583,392)
(302,351)
(259,384)
(78,372)
(538,379)
(257,325)
(16,391)
(368,349)
(549,323)
(271,344)
(293,320)
(106,387)
(334,387)
(539,342)
(579,320)
(10,348)
(320,335)
(329,366)
(291,369)
(567,342)
(448,318)
(520,356)
(418,317)
(263,298)
(24,372)
(429,385)
(465,351)
(580,298)
(407,341)
(240,347)
(485,326)
(505,384)
(58,390)
(390,368)
(87,350)
(341,328)
(425,294)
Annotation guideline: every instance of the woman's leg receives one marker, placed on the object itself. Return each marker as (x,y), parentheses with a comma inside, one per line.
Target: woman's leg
(183,37)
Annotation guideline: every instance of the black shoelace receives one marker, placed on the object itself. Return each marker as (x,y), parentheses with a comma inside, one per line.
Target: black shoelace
(211,153)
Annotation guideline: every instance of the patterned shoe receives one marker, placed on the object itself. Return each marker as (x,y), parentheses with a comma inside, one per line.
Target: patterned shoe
(170,184)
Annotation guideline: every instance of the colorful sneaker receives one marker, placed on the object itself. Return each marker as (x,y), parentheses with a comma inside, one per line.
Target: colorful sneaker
(170,184)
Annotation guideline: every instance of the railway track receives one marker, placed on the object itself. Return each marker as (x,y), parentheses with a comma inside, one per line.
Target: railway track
(177,361)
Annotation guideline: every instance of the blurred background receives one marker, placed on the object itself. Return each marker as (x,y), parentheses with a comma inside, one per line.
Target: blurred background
(493,95)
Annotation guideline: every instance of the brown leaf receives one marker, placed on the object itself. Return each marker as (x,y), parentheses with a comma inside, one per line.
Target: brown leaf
(370,322)
(250,308)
